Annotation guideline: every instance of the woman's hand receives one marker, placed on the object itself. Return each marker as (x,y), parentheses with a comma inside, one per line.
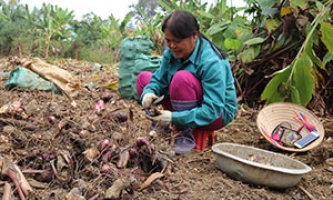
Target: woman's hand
(163,118)
(147,100)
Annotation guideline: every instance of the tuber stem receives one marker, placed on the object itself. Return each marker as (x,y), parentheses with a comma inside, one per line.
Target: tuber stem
(7,192)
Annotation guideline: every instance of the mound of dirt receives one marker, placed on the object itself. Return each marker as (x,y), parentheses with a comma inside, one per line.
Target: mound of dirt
(100,146)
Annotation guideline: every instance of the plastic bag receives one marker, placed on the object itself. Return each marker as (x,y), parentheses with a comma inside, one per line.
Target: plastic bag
(70,85)
(23,78)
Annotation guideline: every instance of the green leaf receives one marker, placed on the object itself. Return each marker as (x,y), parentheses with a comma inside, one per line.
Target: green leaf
(271,25)
(249,54)
(302,78)
(165,6)
(266,4)
(125,21)
(270,12)
(217,28)
(315,38)
(280,95)
(319,5)
(275,90)
(326,37)
(295,96)
(309,51)
(279,42)
(229,33)
(232,58)
(327,58)
(232,44)
(299,4)
(218,40)
(205,14)
(243,34)
(254,41)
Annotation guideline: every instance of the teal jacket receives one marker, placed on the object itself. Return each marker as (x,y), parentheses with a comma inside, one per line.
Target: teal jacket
(219,94)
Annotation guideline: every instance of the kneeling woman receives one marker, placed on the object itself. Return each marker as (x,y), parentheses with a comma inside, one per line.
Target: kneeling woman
(195,77)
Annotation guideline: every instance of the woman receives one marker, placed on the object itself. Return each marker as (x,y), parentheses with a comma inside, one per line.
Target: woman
(196,79)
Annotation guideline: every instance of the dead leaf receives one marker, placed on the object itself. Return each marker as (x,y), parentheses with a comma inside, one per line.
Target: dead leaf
(62,123)
(91,153)
(150,179)
(113,86)
(115,190)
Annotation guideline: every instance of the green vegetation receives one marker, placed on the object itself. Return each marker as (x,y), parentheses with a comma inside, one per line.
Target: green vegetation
(280,50)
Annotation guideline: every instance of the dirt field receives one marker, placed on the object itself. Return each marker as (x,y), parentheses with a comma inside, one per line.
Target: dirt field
(78,152)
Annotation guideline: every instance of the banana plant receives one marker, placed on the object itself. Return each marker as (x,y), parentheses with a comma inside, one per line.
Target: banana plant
(52,25)
(88,30)
(297,82)
(13,29)
(112,35)
(228,30)
(151,28)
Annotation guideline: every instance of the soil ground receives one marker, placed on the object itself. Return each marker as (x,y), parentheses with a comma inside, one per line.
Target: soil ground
(62,158)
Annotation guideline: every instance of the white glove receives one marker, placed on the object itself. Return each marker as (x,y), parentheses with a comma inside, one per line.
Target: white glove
(162,119)
(147,100)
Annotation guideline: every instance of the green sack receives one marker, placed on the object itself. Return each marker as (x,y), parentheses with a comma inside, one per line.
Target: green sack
(131,49)
(144,63)
(23,78)
(125,77)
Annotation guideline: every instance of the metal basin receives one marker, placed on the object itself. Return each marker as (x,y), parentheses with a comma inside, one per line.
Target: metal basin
(258,166)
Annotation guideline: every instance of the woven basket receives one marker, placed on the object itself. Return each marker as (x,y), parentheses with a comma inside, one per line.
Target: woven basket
(273,114)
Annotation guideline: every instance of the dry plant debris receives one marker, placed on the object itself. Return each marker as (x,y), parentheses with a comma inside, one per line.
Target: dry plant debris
(101,147)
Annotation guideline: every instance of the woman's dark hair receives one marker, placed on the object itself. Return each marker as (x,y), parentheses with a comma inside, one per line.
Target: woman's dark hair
(183,24)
